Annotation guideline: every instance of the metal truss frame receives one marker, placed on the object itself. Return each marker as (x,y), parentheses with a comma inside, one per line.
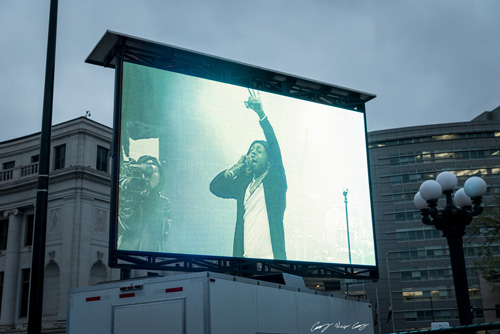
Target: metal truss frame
(251,77)
(240,266)
(114,49)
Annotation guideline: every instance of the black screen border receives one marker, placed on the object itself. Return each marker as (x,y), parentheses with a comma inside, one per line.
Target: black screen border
(115,49)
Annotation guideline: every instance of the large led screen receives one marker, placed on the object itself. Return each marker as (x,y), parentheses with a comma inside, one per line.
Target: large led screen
(212,169)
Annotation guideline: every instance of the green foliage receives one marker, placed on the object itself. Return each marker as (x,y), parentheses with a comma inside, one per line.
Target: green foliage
(485,232)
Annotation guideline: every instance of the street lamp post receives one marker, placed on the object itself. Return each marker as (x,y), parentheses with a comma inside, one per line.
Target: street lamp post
(346,191)
(452,221)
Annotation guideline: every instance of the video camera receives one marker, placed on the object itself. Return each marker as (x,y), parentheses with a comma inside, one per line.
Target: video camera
(140,171)
(136,176)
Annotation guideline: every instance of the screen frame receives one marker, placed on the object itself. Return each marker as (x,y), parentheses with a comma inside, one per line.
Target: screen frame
(115,49)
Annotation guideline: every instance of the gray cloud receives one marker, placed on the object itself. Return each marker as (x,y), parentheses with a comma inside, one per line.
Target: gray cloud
(427,61)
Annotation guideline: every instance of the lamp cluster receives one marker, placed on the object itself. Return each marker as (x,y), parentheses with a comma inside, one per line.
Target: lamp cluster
(465,204)
(452,221)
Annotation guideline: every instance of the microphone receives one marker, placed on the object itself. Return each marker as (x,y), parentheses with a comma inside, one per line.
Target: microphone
(236,169)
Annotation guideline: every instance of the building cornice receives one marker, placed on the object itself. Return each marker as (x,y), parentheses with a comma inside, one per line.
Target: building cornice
(69,173)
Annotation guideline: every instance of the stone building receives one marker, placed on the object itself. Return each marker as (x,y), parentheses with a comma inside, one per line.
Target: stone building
(77,222)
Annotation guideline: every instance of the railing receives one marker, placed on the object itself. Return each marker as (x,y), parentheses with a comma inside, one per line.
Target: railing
(30,169)
(6,175)
(19,172)
(456,329)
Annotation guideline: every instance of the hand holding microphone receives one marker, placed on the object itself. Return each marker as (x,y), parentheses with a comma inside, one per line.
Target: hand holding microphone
(237,168)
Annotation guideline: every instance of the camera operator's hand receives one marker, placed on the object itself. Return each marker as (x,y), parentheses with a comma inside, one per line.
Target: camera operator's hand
(154,179)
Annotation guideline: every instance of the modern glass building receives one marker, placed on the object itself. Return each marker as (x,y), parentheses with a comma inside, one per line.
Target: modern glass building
(415,272)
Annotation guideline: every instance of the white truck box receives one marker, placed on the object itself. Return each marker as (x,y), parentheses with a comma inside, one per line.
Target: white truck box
(211,303)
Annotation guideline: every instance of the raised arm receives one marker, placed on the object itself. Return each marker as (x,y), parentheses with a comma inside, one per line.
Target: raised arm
(274,152)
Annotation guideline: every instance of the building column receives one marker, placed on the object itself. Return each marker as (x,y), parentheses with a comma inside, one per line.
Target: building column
(11,274)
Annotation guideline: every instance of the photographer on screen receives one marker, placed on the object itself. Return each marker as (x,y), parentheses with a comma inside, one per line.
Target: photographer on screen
(143,213)
(258,183)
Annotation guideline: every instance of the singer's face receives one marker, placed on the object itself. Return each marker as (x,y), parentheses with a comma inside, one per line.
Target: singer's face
(258,158)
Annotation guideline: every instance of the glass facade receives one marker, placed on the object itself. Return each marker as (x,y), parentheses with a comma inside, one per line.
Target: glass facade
(415,271)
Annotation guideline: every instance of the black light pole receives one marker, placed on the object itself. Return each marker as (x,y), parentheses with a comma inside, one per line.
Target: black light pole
(38,254)
(452,221)
(347,223)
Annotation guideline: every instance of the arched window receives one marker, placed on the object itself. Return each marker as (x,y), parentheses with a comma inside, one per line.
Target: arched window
(51,289)
(98,273)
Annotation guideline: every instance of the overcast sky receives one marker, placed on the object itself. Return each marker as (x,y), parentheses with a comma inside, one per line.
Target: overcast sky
(428,61)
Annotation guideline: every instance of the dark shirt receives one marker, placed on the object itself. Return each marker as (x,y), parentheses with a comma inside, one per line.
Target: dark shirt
(143,216)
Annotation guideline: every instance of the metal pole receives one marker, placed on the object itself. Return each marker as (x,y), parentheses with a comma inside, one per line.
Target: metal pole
(116,156)
(454,231)
(455,244)
(38,251)
(378,313)
(390,290)
(347,223)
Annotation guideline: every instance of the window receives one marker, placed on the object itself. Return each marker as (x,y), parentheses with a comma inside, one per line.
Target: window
(8,168)
(25,290)
(4,229)
(1,289)
(477,154)
(28,231)
(98,273)
(9,165)
(51,285)
(35,158)
(411,316)
(60,156)
(102,159)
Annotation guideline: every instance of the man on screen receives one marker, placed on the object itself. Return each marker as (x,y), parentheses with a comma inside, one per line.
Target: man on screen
(143,213)
(258,183)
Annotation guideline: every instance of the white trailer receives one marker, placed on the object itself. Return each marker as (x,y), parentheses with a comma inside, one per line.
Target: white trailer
(212,303)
